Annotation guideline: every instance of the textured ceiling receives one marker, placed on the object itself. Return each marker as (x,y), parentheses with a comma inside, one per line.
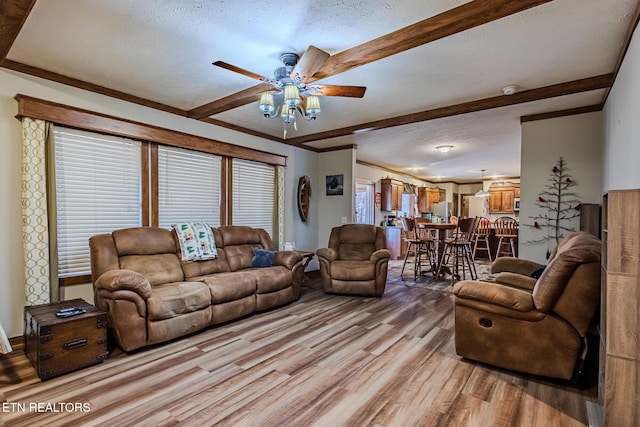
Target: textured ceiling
(162,51)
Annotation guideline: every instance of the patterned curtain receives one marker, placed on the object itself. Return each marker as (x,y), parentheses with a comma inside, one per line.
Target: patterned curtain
(280,206)
(35,227)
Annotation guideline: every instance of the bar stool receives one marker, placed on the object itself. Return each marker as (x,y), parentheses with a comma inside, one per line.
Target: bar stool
(483,229)
(506,232)
(457,255)
(415,246)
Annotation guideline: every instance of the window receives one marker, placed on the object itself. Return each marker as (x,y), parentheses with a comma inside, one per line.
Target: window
(253,194)
(97,190)
(188,186)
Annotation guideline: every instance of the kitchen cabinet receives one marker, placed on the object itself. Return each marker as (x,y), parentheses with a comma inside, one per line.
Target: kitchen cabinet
(394,242)
(427,196)
(501,198)
(391,194)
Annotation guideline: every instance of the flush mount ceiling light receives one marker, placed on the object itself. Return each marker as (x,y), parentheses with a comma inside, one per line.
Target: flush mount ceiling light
(510,90)
(444,148)
(482,193)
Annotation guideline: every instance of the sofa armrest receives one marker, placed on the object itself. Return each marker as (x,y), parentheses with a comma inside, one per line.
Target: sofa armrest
(494,294)
(287,258)
(115,280)
(514,265)
(327,253)
(516,280)
(380,254)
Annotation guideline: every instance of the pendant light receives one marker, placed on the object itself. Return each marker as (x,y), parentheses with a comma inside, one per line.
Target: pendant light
(482,193)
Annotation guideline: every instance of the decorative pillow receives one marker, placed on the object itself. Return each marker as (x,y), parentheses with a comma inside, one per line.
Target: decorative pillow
(196,241)
(262,258)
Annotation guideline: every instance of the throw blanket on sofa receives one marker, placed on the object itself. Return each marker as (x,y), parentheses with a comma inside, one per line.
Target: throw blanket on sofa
(196,241)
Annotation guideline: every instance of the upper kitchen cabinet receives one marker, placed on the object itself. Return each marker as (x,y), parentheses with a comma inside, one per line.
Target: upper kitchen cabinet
(502,197)
(427,196)
(391,194)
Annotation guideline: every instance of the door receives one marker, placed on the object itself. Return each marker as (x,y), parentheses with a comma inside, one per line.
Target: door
(364,202)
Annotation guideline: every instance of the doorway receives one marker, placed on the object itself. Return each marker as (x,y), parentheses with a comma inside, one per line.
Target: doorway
(364,202)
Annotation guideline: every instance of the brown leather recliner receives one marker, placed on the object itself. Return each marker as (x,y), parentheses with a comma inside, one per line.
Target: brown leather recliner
(356,260)
(542,330)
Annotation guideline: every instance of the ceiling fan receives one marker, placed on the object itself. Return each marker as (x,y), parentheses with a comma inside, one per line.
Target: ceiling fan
(289,90)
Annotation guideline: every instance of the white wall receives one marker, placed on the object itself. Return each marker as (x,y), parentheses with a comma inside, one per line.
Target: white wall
(335,210)
(12,293)
(578,140)
(622,125)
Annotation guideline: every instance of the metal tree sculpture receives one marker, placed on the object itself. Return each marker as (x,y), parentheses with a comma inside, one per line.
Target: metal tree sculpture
(559,205)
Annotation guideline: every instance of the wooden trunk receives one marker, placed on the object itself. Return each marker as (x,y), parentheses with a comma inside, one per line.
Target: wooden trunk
(56,345)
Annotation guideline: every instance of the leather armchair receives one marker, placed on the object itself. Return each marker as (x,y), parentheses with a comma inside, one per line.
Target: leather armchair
(542,330)
(355,261)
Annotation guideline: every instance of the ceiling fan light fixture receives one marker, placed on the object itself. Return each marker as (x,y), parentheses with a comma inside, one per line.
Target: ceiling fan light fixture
(287,113)
(313,105)
(291,95)
(267,104)
(444,148)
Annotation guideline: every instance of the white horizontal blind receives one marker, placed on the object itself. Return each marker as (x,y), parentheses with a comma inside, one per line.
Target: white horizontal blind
(97,191)
(254,194)
(188,186)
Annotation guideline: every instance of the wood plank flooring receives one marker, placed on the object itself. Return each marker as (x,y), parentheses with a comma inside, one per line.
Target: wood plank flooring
(324,360)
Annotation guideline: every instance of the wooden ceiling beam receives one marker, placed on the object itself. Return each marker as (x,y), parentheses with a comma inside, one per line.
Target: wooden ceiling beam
(456,20)
(567,88)
(13,14)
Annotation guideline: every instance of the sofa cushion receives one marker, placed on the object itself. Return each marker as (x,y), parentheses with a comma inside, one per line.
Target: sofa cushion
(271,279)
(225,287)
(239,256)
(173,299)
(580,249)
(157,269)
(143,241)
(353,270)
(356,243)
(193,269)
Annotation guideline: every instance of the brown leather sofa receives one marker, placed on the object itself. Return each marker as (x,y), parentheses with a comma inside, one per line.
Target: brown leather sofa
(151,296)
(541,330)
(356,260)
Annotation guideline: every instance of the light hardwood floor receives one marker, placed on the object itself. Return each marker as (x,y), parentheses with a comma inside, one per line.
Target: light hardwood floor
(324,360)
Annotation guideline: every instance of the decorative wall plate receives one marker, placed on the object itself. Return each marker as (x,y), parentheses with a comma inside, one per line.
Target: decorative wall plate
(304,197)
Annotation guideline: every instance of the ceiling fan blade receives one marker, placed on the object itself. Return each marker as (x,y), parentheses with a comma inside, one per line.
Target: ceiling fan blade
(336,90)
(310,62)
(235,100)
(238,70)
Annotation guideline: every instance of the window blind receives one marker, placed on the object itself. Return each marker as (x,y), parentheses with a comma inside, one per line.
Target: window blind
(254,195)
(97,191)
(188,186)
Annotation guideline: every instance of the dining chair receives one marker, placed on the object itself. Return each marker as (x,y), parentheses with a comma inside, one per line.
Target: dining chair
(416,246)
(457,256)
(483,229)
(507,232)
